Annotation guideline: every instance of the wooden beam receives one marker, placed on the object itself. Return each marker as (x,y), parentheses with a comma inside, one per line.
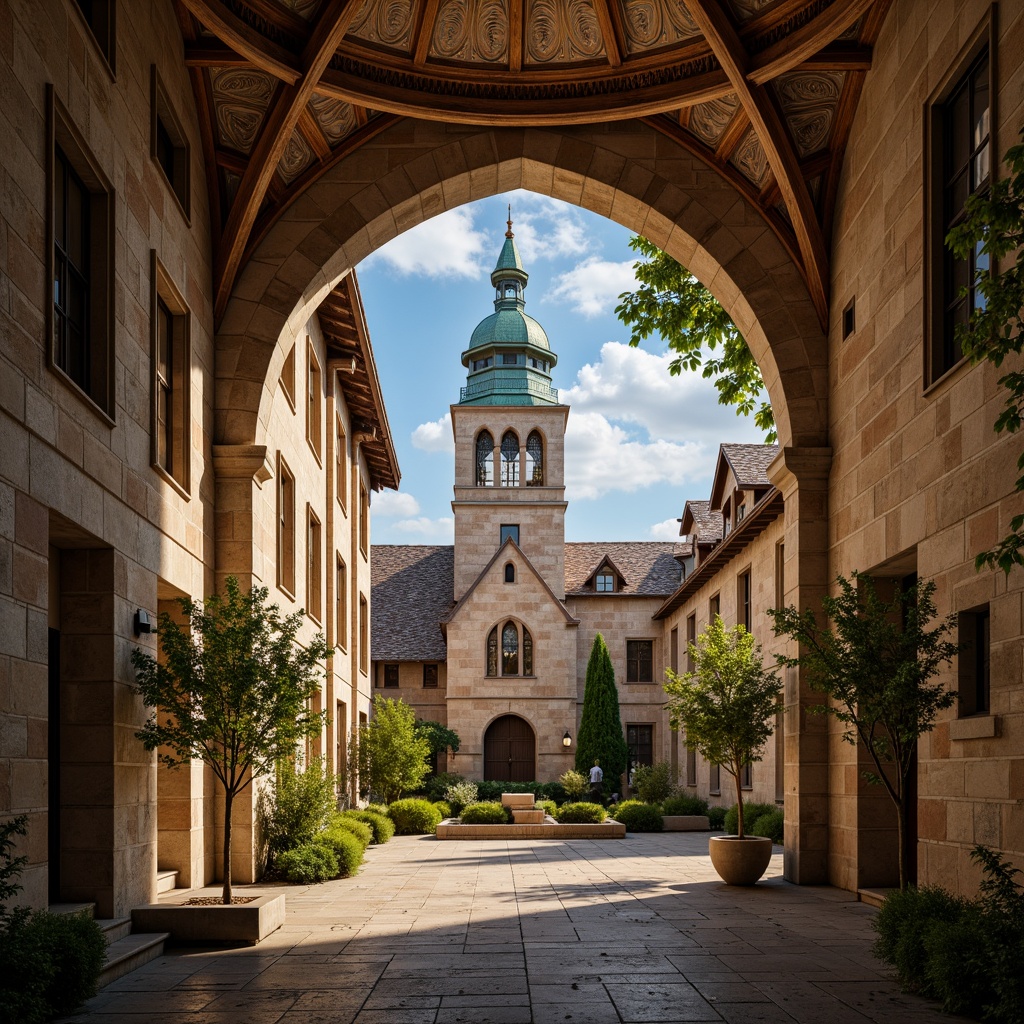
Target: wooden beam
(840,57)
(515,35)
(425,33)
(261,52)
(873,22)
(233,162)
(611,40)
(734,132)
(279,122)
(313,134)
(712,20)
(214,55)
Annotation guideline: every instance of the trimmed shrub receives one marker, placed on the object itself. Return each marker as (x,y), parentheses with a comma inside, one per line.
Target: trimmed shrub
(461,794)
(308,863)
(547,806)
(682,803)
(301,805)
(436,786)
(653,783)
(377,809)
(751,812)
(444,808)
(359,829)
(414,817)
(638,816)
(381,826)
(347,848)
(581,814)
(716,817)
(485,813)
(575,784)
(769,825)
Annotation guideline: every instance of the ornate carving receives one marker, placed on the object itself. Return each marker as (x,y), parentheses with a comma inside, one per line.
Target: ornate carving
(386,22)
(709,120)
(650,24)
(296,158)
(809,100)
(240,96)
(562,31)
(750,159)
(335,117)
(473,32)
(810,130)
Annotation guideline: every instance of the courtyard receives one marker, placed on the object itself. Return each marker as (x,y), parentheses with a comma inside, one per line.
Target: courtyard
(631,930)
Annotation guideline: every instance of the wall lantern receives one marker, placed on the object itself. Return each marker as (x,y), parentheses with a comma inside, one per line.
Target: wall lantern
(143,623)
(566,739)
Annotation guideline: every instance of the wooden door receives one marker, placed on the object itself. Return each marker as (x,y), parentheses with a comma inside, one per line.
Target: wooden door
(509,750)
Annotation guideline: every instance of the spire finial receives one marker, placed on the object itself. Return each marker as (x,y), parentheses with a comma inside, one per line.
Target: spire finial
(508,234)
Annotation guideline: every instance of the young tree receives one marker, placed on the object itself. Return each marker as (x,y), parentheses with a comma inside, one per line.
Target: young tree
(439,738)
(992,230)
(234,690)
(874,667)
(727,703)
(390,756)
(600,738)
(671,302)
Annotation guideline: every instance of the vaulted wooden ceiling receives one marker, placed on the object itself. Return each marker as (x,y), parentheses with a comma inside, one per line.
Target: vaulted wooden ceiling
(763,90)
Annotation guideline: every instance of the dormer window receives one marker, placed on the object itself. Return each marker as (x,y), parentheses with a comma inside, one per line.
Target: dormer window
(604,583)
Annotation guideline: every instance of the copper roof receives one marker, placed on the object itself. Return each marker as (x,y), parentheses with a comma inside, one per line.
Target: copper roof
(412,593)
(649,568)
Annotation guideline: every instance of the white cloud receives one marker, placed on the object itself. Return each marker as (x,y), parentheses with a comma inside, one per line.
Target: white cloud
(546,228)
(447,245)
(592,287)
(601,457)
(422,528)
(395,503)
(435,435)
(667,529)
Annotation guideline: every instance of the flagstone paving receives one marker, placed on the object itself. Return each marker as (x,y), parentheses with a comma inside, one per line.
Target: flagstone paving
(535,932)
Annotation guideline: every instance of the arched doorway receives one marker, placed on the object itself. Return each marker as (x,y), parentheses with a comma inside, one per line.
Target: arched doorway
(510,750)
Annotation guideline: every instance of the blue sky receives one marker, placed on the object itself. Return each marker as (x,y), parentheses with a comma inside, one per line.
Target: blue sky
(639,442)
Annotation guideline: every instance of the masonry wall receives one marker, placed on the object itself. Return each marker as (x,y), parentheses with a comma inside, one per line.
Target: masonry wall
(919,480)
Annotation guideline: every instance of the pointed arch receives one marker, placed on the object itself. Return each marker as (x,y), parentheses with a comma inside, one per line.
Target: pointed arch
(484,459)
(534,459)
(510,649)
(527,652)
(510,459)
(492,652)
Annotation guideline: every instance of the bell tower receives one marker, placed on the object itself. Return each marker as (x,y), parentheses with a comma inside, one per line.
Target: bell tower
(509,438)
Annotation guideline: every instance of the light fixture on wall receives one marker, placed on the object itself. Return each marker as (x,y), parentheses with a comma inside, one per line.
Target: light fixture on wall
(566,739)
(142,623)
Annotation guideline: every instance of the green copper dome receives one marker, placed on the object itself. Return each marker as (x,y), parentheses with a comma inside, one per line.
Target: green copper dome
(509,357)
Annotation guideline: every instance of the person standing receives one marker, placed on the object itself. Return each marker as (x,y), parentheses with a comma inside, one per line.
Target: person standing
(596,782)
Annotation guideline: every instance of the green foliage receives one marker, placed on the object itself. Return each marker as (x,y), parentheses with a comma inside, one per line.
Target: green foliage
(727,703)
(874,666)
(682,803)
(751,812)
(382,827)
(308,863)
(359,829)
(769,825)
(461,794)
(302,804)
(547,806)
(348,849)
(652,783)
(414,817)
(994,226)
(491,790)
(438,737)
(443,808)
(486,813)
(10,866)
(600,737)
(234,689)
(638,816)
(580,814)
(716,817)
(574,783)
(436,786)
(391,758)
(672,303)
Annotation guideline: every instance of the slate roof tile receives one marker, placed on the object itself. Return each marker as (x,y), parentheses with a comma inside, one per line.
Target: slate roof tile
(649,567)
(749,463)
(412,592)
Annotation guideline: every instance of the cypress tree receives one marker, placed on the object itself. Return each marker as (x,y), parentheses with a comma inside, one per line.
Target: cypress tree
(600,738)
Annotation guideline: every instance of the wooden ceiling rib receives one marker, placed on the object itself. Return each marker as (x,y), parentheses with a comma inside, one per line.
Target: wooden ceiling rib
(353,67)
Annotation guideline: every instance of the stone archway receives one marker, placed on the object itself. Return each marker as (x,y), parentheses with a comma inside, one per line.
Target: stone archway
(510,750)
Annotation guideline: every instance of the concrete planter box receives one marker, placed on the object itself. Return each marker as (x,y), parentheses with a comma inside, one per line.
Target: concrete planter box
(686,823)
(243,923)
(451,829)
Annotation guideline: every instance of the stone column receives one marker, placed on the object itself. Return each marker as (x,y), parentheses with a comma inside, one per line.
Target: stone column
(801,475)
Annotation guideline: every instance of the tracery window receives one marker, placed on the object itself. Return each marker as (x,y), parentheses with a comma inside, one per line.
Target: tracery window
(510,459)
(527,653)
(492,652)
(516,650)
(510,650)
(534,460)
(484,459)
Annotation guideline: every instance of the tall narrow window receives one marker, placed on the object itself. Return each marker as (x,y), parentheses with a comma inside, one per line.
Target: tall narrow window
(534,460)
(673,650)
(780,575)
(743,600)
(973,676)
(288,377)
(715,782)
(640,740)
(364,520)
(527,653)
(484,459)
(72,272)
(747,777)
(314,402)
(510,650)
(691,637)
(509,459)
(168,143)
(639,661)
(492,652)
(714,607)
(341,603)
(285,528)
(691,765)
(510,573)
(164,434)
(340,463)
(99,16)
(171,444)
(314,560)
(391,675)
(364,635)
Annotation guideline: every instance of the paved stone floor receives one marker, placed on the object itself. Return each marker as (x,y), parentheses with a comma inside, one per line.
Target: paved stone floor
(633,930)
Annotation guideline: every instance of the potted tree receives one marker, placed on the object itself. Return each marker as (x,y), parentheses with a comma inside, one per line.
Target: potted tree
(726,705)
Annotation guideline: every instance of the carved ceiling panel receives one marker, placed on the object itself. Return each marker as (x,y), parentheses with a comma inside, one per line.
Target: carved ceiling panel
(296,158)
(809,101)
(749,158)
(240,97)
(708,121)
(336,118)
(652,24)
(562,32)
(387,23)
(474,31)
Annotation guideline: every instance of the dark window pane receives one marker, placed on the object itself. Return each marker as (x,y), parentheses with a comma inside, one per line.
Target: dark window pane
(492,652)
(527,653)
(510,650)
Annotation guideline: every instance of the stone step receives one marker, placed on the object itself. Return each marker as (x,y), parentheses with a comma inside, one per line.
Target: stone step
(88,909)
(129,953)
(513,800)
(115,928)
(527,816)
(873,897)
(166,880)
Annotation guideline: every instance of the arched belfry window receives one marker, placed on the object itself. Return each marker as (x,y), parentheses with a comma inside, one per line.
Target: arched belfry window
(510,459)
(510,650)
(484,459)
(534,460)
(492,652)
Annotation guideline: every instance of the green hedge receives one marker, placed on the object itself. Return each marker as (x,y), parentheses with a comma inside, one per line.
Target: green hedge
(382,827)
(443,808)
(751,812)
(347,848)
(488,812)
(638,816)
(769,825)
(490,790)
(581,814)
(716,817)
(547,806)
(308,863)
(359,829)
(682,803)
(414,817)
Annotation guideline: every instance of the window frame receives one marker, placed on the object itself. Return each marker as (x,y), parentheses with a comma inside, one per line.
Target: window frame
(745,600)
(285,527)
(483,467)
(287,378)
(506,531)
(391,679)
(535,459)
(602,578)
(364,635)
(974,669)
(635,665)
(510,572)
(103,34)
(510,475)
(340,602)
(714,606)
(162,113)
(341,462)
(314,565)
(430,668)
(314,403)
(364,520)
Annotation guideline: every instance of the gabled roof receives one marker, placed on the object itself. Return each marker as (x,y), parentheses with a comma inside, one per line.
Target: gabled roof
(606,564)
(749,465)
(703,522)
(647,568)
(412,592)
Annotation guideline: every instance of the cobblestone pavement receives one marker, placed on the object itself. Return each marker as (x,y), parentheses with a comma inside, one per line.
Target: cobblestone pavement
(632,930)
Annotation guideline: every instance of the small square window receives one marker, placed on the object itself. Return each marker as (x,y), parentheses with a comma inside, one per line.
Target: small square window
(849,318)
(391,675)
(509,531)
(429,677)
(604,583)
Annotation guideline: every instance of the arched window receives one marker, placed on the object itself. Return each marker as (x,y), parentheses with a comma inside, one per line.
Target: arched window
(527,653)
(534,460)
(510,650)
(492,652)
(510,459)
(484,459)
(510,573)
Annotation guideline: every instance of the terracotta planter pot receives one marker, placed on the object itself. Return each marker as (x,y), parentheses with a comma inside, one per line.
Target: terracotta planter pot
(740,861)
